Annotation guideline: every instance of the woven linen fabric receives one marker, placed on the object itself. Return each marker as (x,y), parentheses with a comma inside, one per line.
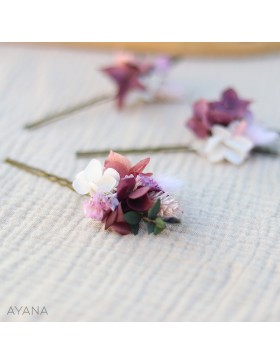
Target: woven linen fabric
(221,264)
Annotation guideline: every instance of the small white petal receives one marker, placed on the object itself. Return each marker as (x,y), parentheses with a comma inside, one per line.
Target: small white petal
(221,131)
(212,143)
(113,173)
(80,184)
(239,143)
(93,171)
(235,157)
(216,155)
(106,183)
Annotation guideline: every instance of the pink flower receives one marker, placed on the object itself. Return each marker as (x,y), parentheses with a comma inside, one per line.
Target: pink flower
(132,198)
(123,165)
(115,221)
(207,114)
(229,108)
(199,122)
(98,206)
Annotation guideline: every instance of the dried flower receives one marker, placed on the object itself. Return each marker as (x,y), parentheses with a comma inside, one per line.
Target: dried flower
(99,205)
(126,73)
(122,195)
(226,129)
(169,207)
(225,145)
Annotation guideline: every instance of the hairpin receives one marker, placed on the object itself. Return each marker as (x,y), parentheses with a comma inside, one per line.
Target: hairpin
(220,130)
(145,80)
(120,194)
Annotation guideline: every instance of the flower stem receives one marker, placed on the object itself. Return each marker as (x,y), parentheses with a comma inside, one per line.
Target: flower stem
(40,173)
(147,219)
(160,149)
(72,109)
(168,149)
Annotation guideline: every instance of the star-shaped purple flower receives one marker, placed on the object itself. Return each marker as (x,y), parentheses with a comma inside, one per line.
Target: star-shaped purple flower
(223,112)
(229,108)
(126,74)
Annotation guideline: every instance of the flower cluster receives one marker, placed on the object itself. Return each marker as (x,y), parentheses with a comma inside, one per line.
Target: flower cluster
(121,195)
(226,129)
(148,77)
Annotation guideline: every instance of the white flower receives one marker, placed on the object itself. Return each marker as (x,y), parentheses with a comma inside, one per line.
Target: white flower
(224,144)
(93,179)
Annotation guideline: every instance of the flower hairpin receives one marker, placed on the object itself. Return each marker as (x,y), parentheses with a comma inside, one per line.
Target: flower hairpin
(145,80)
(219,130)
(120,195)
(226,129)
(134,77)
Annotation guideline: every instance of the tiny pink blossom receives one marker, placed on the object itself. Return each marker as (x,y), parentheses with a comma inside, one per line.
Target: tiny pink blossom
(99,205)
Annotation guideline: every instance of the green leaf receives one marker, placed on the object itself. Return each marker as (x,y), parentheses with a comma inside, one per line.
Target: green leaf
(160,223)
(151,227)
(154,210)
(132,218)
(158,230)
(134,229)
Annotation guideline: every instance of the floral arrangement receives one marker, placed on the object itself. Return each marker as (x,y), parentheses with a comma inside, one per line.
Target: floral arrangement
(147,78)
(122,196)
(226,129)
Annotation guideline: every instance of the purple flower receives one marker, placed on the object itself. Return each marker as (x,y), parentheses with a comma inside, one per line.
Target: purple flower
(132,198)
(126,73)
(143,180)
(199,123)
(223,112)
(229,108)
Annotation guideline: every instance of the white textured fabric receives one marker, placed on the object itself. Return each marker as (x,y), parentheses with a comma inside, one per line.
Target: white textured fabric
(221,264)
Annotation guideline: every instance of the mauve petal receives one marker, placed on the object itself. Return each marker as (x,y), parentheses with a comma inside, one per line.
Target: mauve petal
(117,73)
(140,166)
(110,219)
(125,186)
(229,96)
(121,228)
(140,192)
(229,108)
(217,116)
(116,157)
(120,168)
(200,109)
(198,127)
(141,204)
(120,214)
